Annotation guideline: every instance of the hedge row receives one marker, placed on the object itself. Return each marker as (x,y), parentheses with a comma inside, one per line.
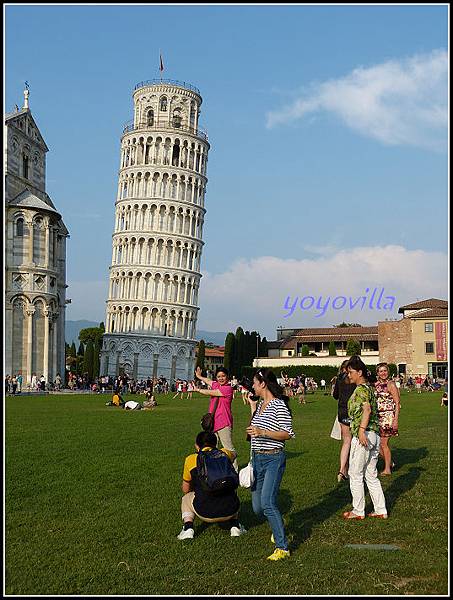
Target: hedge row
(316,372)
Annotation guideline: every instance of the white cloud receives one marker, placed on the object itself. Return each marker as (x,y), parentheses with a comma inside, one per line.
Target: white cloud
(252,293)
(399,102)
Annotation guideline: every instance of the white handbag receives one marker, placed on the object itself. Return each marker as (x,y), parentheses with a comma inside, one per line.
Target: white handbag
(246,475)
(336,430)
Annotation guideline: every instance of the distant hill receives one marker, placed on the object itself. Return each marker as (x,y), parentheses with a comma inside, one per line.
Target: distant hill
(216,337)
(73,328)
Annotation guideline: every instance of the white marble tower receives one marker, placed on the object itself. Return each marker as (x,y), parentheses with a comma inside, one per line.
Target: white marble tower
(155,275)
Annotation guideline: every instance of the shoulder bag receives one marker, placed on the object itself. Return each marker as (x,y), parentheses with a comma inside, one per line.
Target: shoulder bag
(207,420)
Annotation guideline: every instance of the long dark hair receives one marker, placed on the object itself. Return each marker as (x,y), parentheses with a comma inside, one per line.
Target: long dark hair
(344,365)
(268,377)
(356,363)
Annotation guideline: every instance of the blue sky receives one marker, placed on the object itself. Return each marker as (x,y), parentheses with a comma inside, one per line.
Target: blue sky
(328,164)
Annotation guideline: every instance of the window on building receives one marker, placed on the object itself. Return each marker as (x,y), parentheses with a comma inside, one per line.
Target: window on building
(428,327)
(429,347)
(25,166)
(163,104)
(20,227)
(150,118)
(177,119)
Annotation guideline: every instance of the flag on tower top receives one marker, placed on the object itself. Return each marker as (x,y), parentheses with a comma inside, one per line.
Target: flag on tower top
(161,66)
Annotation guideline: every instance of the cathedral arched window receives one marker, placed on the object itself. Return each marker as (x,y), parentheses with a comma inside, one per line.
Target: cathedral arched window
(25,166)
(20,228)
(150,118)
(163,104)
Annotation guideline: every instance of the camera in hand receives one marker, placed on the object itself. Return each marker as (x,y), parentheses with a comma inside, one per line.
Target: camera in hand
(248,385)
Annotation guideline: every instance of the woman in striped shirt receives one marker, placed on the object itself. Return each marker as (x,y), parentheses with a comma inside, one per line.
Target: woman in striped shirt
(270,426)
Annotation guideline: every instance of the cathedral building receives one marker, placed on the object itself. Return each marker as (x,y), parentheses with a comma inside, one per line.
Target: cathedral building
(35,256)
(155,275)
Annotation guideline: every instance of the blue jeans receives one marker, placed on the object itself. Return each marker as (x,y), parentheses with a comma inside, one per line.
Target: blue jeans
(268,471)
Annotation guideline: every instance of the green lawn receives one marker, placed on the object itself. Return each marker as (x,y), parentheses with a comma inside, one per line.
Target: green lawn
(93,505)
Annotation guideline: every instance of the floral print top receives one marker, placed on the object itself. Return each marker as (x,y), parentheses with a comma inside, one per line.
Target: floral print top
(387,410)
(362,393)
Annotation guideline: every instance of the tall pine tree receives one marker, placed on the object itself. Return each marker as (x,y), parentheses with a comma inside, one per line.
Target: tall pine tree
(254,346)
(88,358)
(96,360)
(228,359)
(239,354)
(201,353)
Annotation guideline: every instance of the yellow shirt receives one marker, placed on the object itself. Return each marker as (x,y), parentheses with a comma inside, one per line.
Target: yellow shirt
(116,399)
(191,462)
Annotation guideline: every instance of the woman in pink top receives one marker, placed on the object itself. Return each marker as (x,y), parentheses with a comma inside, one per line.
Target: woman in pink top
(222,390)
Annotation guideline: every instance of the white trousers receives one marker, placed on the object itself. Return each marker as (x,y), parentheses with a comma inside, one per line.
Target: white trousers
(363,466)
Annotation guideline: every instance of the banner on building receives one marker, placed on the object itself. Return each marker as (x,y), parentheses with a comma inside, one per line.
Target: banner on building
(441,341)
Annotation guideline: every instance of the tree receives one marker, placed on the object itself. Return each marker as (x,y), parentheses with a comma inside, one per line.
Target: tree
(96,361)
(348,325)
(88,359)
(263,349)
(353,347)
(72,350)
(81,350)
(228,359)
(201,355)
(254,346)
(239,362)
(91,333)
(305,350)
(332,349)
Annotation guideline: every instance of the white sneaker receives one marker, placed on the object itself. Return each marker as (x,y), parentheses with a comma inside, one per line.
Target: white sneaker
(186,534)
(237,531)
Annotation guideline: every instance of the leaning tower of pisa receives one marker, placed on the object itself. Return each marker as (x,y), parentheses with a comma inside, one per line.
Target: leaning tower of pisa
(157,240)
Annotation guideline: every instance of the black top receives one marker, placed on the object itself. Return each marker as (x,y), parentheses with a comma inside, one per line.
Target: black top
(342,392)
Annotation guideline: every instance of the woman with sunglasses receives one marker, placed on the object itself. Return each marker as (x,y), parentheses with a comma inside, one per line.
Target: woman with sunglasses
(270,426)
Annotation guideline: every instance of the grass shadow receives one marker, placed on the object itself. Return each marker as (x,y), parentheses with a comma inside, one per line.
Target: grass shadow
(250,520)
(293,454)
(301,523)
(405,456)
(401,485)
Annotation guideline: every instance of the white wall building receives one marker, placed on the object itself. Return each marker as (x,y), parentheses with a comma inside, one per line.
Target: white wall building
(155,275)
(35,256)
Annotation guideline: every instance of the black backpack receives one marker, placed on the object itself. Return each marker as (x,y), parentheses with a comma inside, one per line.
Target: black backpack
(215,472)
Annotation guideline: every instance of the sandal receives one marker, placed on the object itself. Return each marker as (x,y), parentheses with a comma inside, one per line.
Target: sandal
(341,477)
(378,516)
(351,515)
